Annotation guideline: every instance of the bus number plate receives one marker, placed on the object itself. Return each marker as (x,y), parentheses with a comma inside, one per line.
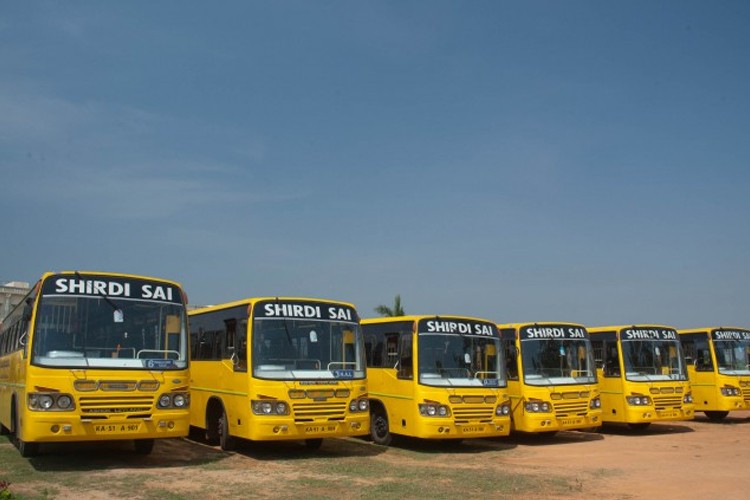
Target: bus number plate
(116,428)
(469,429)
(668,414)
(315,429)
(570,421)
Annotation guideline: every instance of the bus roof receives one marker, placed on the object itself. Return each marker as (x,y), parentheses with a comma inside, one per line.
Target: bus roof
(253,300)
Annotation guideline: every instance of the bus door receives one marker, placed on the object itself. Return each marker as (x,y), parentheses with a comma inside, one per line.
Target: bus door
(610,374)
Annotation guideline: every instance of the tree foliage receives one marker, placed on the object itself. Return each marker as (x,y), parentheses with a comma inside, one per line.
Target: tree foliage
(396,310)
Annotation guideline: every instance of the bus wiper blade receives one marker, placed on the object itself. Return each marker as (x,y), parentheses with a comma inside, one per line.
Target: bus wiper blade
(107,299)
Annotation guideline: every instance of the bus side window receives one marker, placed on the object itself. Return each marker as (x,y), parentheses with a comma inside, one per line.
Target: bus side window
(703,361)
(511,361)
(405,362)
(391,349)
(611,360)
(598,347)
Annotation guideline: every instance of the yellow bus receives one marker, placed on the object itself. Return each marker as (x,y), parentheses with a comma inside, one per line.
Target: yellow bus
(92,356)
(277,369)
(551,377)
(642,375)
(718,360)
(435,377)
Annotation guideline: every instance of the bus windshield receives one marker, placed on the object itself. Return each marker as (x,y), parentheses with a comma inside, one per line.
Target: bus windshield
(102,332)
(460,360)
(291,349)
(557,362)
(653,360)
(733,356)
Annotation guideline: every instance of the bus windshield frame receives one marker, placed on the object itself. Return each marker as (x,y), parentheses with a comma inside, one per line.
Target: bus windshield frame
(644,360)
(453,352)
(76,327)
(557,361)
(307,349)
(729,356)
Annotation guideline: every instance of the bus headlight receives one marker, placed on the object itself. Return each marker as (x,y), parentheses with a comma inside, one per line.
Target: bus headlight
(595,403)
(173,400)
(50,401)
(64,402)
(357,405)
(537,407)
(434,410)
(269,407)
(502,410)
(688,398)
(638,400)
(728,390)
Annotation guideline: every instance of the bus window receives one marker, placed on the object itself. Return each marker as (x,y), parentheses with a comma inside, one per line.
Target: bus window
(406,358)
(611,361)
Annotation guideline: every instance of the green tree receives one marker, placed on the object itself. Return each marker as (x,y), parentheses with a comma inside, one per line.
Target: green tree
(396,310)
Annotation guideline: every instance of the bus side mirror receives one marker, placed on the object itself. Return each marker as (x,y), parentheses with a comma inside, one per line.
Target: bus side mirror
(28,309)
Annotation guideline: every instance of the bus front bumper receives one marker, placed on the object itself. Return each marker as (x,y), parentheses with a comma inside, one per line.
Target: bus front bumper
(446,428)
(277,429)
(61,427)
(637,415)
(549,422)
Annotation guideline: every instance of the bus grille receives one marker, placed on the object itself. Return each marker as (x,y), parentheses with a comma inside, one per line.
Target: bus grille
(571,408)
(312,412)
(101,407)
(746,393)
(468,414)
(668,402)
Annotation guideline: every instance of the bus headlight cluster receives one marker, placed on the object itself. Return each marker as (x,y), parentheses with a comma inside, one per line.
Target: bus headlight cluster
(177,400)
(687,398)
(434,410)
(502,410)
(730,391)
(359,405)
(50,401)
(537,407)
(595,403)
(638,400)
(269,407)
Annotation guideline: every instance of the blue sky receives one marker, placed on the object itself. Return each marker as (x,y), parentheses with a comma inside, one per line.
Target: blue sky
(517,161)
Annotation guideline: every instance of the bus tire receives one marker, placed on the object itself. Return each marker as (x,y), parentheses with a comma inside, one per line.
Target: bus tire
(226,442)
(716,415)
(379,430)
(25,448)
(313,444)
(144,446)
(639,426)
(214,410)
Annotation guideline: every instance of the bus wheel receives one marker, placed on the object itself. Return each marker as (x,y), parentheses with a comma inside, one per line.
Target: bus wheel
(379,427)
(716,415)
(25,448)
(640,426)
(144,446)
(313,444)
(227,442)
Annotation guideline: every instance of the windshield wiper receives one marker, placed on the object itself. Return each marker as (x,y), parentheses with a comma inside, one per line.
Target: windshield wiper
(107,299)
(286,329)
